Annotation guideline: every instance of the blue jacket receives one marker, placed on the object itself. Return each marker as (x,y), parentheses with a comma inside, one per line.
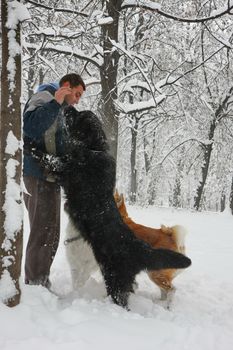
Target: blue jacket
(42,125)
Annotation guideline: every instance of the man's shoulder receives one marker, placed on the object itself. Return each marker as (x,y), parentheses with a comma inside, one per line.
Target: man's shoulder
(44,94)
(38,99)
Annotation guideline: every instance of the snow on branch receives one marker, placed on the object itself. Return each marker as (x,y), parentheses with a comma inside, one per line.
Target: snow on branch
(130,56)
(225,42)
(129,108)
(169,80)
(134,83)
(55,9)
(92,81)
(201,143)
(148,5)
(67,50)
(104,21)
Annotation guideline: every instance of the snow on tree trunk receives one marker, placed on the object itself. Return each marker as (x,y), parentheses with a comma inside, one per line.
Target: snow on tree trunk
(11,213)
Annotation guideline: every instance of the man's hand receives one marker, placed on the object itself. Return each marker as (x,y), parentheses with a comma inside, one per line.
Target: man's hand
(61,93)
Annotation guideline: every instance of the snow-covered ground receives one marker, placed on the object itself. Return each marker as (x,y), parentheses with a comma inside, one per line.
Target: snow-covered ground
(201,316)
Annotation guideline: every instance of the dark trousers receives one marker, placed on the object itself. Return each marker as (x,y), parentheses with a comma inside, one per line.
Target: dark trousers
(43,203)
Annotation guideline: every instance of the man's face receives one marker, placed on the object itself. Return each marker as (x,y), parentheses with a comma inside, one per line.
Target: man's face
(75,95)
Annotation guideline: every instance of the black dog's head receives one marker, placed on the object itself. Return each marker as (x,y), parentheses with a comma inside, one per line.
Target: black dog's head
(85,127)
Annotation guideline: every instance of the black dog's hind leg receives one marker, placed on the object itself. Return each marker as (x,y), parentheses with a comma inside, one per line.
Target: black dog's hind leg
(119,288)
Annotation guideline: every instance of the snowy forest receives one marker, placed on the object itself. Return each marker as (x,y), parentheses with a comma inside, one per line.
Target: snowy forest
(159,74)
(163,88)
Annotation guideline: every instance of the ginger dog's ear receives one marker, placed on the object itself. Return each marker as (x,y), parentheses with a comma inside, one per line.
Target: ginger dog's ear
(118,198)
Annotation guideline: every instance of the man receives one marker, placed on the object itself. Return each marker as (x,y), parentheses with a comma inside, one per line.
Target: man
(43,129)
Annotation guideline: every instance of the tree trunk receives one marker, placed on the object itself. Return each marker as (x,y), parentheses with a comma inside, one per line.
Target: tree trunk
(231,197)
(205,167)
(11,212)
(219,114)
(176,198)
(108,74)
(223,202)
(148,158)
(31,75)
(177,195)
(133,155)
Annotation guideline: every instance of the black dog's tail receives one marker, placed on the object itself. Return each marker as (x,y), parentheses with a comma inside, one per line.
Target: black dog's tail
(158,259)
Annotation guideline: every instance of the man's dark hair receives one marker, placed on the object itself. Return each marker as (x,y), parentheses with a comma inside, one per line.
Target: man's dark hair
(74,80)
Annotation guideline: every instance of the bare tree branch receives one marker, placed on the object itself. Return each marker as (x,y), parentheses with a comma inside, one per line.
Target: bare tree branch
(157,9)
(219,114)
(180,144)
(220,40)
(63,50)
(167,82)
(138,66)
(57,9)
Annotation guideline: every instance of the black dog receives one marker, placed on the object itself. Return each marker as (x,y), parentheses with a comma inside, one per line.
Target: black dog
(87,175)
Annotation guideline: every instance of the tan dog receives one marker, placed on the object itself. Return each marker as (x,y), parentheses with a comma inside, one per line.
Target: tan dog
(166,237)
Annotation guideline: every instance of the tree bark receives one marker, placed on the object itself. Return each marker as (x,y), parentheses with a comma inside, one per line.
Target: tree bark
(176,198)
(133,155)
(221,111)
(10,123)
(108,74)
(231,197)
(205,167)
(223,202)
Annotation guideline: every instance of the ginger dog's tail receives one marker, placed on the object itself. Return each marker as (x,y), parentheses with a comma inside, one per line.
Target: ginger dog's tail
(178,234)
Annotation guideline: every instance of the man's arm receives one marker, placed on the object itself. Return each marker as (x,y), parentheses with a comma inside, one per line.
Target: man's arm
(54,165)
(42,110)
